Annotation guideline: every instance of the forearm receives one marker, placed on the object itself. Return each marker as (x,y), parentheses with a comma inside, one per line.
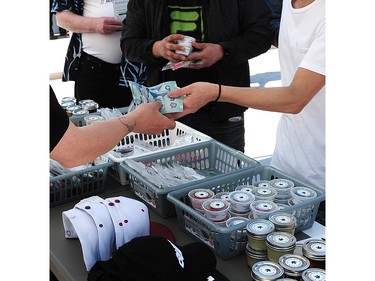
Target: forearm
(81,145)
(278,99)
(289,99)
(76,23)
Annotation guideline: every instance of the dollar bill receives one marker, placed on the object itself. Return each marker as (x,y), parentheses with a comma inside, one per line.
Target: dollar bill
(142,94)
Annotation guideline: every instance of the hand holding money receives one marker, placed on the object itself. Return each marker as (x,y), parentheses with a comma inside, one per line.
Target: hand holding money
(142,94)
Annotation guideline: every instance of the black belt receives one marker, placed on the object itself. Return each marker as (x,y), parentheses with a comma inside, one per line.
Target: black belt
(97,61)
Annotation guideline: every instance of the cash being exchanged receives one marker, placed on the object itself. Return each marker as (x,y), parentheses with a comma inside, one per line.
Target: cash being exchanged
(143,94)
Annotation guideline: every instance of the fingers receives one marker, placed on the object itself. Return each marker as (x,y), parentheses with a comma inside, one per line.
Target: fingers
(177,93)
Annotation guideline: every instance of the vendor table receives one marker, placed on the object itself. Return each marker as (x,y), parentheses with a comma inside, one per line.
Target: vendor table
(66,259)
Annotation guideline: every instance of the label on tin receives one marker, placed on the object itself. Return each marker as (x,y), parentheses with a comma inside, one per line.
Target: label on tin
(282,219)
(280,238)
(293,262)
(263,206)
(264,191)
(318,247)
(201,194)
(303,193)
(267,270)
(241,197)
(260,227)
(316,276)
(217,205)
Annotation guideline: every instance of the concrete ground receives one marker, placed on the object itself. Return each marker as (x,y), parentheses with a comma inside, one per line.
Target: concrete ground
(260,125)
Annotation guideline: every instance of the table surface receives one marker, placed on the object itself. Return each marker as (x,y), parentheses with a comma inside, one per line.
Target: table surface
(66,259)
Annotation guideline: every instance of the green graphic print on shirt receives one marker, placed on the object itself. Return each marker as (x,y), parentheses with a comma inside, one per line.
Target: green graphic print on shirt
(187,20)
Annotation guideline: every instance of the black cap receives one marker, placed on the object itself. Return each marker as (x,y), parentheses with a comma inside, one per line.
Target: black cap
(151,258)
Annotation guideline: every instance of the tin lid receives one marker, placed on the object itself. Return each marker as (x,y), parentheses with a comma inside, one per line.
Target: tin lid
(82,102)
(293,264)
(241,197)
(94,118)
(215,205)
(314,274)
(314,249)
(281,183)
(260,227)
(303,193)
(79,112)
(262,183)
(264,192)
(90,105)
(67,104)
(222,195)
(263,206)
(245,187)
(266,271)
(67,99)
(70,109)
(281,240)
(235,221)
(283,220)
(201,193)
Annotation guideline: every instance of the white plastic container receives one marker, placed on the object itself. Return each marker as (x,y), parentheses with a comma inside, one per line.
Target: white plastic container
(240,201)
(216,209)
(198,196)
(262,207)
(301,194)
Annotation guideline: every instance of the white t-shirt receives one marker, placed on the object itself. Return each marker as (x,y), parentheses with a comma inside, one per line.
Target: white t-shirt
(105,47)
(300,145)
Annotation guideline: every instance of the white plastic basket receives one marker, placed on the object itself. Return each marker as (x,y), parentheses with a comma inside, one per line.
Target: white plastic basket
(165,141)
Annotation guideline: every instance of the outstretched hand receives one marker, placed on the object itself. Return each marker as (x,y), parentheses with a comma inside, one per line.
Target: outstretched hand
(196,95)
(149,120)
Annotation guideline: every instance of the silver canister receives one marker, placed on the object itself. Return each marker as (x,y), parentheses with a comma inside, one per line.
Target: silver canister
(69,110)
(314,274)
(315,251)
(294,265)
(65,105)
(266,271)
(254,256)
(79,112)
(284,222)
(68,99)
(278,244)
(257,231)
(90,106)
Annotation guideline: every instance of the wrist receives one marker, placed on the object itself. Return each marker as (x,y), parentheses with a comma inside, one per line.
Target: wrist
(218,91)
(127,123)
(155,49)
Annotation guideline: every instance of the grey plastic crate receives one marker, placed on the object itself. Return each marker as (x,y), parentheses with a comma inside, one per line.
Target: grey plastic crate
(77,185)
(228,242)
(210,158)
(80,122)
(163,141)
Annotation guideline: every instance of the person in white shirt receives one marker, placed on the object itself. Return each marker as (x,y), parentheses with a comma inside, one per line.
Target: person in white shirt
(94,59)
(300,145)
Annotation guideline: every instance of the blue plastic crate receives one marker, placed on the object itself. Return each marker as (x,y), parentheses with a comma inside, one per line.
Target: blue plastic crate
(210,158)
(228,242)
